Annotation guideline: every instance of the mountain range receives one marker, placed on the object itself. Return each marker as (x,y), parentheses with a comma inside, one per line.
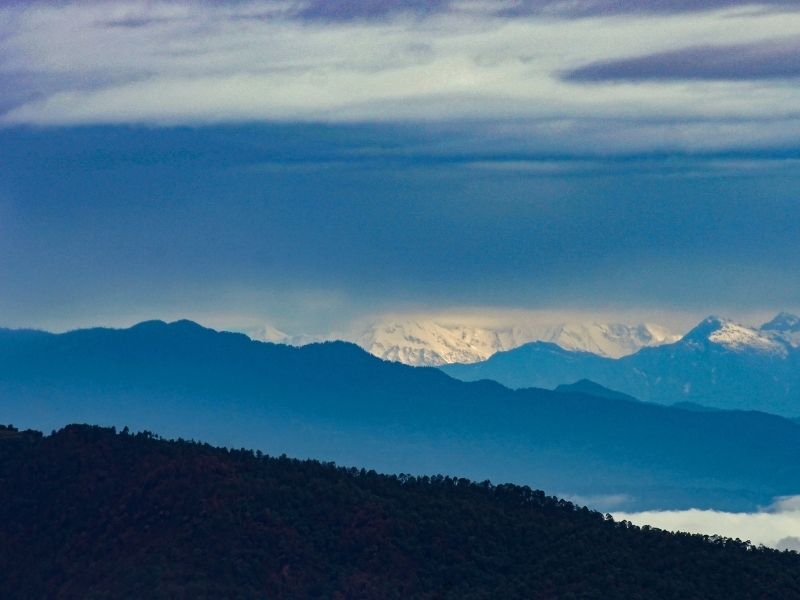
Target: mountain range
(334,401)
(719,364)
(434,342)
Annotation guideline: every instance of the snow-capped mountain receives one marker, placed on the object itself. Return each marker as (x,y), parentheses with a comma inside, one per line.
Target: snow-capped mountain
(784,326)
(779,336)
(612,340)
(719,363)
(418,342)
(736,337)
(269,333)
(435,342)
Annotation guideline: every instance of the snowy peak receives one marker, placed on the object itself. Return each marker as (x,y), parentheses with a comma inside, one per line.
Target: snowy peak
(735,337)
(705,328)
(439,341)
(783,322)
(739,338)
(433,342)
(420,342)
(612,340)
(786,327)
(269,333)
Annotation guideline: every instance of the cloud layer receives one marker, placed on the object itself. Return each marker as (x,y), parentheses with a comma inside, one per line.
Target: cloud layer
(777,526)
(503,69)
(767,60)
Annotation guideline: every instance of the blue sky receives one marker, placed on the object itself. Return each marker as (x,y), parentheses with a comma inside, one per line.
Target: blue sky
(305,164)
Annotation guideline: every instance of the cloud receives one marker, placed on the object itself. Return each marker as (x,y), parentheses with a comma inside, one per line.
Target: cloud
(777,526)
(345,10)
(602,502)
(372,10)
(360,10)
(789,543)
(498,76)
(493,69)
(743,62)
(567,8)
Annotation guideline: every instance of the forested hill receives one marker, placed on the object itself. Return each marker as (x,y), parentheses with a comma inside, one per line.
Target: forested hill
(90,513)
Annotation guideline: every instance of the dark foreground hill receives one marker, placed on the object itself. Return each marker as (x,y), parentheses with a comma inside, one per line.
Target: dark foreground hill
(336,402)
(89,513)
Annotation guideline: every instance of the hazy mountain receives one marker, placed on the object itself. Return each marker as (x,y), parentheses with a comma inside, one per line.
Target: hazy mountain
(334,401)
(784,326)
(612,340)
(89,513)
(719,364)
(434,342)
(270,333)
(590,388)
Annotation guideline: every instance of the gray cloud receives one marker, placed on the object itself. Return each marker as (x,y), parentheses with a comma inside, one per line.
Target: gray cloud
(133,22)
(363,10)
(789,543)
(768,60)
(344,10)
(589,8)
(498,80)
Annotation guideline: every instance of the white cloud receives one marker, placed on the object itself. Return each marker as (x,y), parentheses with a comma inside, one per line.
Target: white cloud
(602,502)
(180,62)
(777,526)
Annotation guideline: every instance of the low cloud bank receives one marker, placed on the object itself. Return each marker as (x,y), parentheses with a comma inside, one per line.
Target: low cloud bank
(777,526)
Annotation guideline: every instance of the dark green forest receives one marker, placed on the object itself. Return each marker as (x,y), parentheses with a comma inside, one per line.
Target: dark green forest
(88,512)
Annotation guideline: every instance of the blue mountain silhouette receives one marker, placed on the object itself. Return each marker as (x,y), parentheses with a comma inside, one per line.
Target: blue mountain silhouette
(709,366)
(333,401)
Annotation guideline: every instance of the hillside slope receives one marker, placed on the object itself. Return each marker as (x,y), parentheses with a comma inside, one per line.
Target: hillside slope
(88,513)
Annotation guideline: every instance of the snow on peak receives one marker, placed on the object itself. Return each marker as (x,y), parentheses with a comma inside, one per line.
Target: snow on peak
(785,326)
(736,337)
(427,342)
(432,342)
(269,333)
(609,339)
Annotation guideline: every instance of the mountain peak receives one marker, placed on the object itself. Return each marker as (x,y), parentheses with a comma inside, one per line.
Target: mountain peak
(150,324)
(783,322)
(786,327)
(612,340)
(437,342)
(733,336)
(705,328)
(155,325)
(591,388)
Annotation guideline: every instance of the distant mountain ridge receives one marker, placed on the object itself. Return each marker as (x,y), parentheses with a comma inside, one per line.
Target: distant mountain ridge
(435,342)
(336,402)
(718,364)
(590,388)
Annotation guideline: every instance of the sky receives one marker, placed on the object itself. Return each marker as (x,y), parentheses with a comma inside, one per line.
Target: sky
(305,164)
